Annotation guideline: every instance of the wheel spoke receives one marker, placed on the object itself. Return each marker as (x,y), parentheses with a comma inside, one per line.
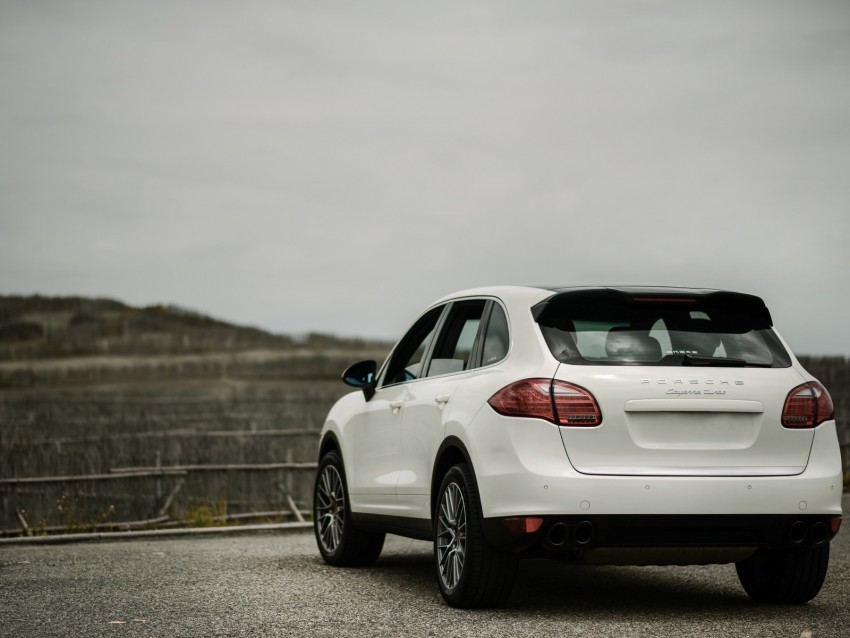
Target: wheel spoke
(461,552)
(335,533)
(324,500)
(446,513)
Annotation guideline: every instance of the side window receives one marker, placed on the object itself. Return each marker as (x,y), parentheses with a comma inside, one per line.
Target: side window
(409,355)
(454,347)
(497,339)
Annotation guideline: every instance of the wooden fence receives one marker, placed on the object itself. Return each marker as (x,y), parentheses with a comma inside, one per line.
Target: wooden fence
(141,496)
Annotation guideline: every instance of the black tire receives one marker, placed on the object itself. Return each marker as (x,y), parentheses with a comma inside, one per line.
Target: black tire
(340,543)
(791,576)
(470,573)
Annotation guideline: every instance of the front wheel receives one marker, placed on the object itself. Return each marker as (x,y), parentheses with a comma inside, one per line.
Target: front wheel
(340,543)
(470,572)
(790,576)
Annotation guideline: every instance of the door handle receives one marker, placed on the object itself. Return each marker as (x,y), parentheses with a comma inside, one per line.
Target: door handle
(442,398)
(396,405)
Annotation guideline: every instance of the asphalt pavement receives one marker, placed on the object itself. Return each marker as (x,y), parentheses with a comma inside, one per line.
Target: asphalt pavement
(273,583)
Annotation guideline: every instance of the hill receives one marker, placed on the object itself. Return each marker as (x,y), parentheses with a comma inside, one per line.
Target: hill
(37,327)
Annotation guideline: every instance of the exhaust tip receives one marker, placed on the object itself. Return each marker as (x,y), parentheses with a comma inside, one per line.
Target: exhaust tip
(558,534)
(799,531)
(819,533)
(584,533)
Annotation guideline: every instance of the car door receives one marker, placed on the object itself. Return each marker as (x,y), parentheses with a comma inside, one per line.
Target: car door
(428,402)
(375,433)
(375,439)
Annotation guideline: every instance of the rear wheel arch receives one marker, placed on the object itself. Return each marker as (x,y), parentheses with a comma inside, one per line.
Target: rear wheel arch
(452,452)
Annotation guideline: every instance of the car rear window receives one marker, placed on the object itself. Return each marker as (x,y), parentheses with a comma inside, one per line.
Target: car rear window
(612,327)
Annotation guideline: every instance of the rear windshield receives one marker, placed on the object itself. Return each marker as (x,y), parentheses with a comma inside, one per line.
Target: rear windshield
(609,327)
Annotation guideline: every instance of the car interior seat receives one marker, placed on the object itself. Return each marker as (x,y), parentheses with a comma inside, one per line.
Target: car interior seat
(626,344)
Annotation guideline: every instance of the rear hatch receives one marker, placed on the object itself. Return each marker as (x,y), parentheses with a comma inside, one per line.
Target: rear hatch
(688,383)
(676,421)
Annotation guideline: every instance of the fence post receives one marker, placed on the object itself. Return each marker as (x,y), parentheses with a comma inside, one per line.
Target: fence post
(290,477)
(158,482)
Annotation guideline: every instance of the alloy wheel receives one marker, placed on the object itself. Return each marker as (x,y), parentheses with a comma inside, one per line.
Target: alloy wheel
(330,508)
(451,536)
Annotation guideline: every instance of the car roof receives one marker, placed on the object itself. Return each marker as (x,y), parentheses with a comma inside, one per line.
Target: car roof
(639,290)
(532,294)
(542,292)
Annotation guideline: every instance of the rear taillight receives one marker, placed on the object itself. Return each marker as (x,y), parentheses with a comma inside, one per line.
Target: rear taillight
(807,406)
(529,397)
(556,401)
(574,405)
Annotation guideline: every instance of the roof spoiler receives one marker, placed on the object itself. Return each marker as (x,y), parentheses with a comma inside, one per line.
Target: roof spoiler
(571,300)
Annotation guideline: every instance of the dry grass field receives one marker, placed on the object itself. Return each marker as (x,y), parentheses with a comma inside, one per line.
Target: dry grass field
(157,418)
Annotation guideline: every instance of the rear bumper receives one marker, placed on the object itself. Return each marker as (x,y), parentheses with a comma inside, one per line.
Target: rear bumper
(580,535)
(653,519)
(526,473)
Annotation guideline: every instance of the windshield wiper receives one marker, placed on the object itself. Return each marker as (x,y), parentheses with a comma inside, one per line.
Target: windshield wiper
(725,362)
(722,362)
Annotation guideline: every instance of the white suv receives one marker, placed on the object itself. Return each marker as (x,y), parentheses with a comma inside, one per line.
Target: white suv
(609,425)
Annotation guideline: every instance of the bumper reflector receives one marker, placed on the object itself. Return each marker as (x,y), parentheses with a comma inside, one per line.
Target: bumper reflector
(835,524)
(523,525)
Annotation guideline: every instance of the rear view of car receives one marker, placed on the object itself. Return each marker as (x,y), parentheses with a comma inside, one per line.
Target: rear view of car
(600,425)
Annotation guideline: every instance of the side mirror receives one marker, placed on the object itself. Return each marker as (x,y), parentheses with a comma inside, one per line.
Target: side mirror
(362,375)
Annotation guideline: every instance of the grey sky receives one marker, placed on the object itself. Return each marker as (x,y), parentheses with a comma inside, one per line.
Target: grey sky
(336,166)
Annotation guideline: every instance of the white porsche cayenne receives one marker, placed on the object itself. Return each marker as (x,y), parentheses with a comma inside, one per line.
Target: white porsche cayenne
(604,425)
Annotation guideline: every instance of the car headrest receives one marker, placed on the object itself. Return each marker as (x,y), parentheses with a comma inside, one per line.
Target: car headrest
(625,344)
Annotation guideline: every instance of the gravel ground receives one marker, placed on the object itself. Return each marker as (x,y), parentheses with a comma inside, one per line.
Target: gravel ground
(276,585)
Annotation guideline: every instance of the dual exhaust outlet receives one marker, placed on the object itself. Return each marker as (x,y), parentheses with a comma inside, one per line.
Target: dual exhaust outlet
(578,535)
(801,532)
(563,535)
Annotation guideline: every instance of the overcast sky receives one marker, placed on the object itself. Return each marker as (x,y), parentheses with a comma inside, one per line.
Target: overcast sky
(335,167)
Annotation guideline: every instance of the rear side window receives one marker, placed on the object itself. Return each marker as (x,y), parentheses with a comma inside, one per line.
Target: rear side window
(607,327)
(453,350)
(497,339)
